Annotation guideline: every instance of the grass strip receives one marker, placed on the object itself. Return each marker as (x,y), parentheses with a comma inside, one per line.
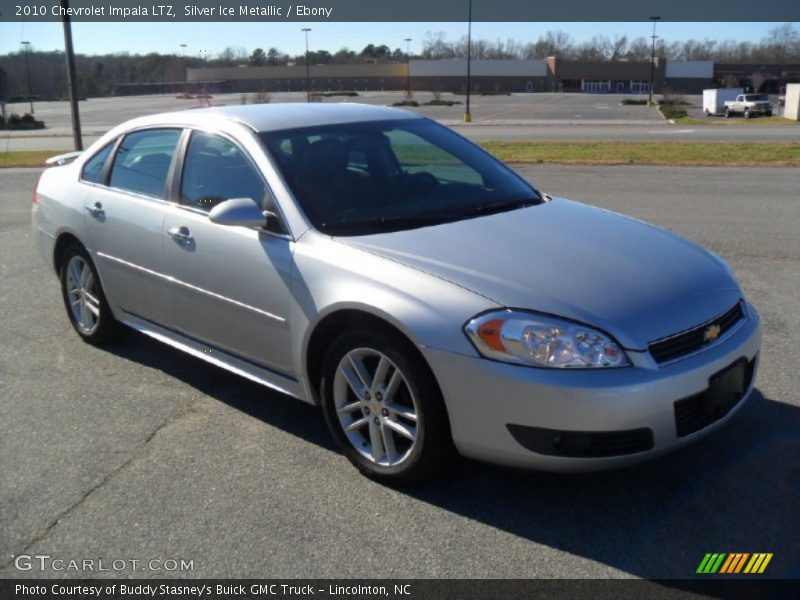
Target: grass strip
(711,154)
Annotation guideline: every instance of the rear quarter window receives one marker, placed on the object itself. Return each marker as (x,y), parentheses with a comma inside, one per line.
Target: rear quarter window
(92,171)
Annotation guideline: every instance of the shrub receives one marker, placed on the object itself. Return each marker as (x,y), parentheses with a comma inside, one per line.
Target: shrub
(672,112)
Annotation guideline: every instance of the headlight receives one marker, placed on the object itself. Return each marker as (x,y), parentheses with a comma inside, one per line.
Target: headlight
(535,340)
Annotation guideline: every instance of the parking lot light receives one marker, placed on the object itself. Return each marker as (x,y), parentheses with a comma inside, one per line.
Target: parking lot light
(652,61)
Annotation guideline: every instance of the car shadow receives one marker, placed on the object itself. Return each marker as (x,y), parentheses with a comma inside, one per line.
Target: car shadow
(738,490)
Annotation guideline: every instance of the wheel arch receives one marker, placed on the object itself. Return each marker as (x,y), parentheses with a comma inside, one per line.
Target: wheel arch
(337,321)
(63,241)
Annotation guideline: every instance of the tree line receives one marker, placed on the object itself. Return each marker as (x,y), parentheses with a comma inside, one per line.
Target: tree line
(98,74)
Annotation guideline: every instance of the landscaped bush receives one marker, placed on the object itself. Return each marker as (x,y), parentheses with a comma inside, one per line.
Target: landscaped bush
(671,111)
(26,121)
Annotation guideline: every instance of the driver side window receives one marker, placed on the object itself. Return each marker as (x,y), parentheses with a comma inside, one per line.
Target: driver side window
(215,170)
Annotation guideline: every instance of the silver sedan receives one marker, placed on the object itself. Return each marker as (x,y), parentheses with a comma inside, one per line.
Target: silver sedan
(377,264)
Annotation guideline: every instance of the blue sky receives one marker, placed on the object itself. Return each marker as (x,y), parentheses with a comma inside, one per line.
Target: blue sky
(102,38)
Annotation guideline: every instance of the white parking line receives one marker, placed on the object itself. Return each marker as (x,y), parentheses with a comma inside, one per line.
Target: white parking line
(672,131)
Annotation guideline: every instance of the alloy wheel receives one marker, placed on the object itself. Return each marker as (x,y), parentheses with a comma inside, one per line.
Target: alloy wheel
(82,295)
(376,407)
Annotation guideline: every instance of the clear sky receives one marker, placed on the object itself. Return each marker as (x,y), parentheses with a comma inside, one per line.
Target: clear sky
(103,38)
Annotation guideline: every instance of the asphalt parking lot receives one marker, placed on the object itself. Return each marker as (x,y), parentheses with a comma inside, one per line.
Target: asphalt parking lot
(542,116)
(136,451)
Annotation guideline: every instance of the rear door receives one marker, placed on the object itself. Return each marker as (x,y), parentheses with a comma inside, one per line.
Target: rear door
(125,211)
(231,284)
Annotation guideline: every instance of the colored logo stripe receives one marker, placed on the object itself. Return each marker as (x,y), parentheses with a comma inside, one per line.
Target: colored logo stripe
(734,562)
(758,563)
(711,563)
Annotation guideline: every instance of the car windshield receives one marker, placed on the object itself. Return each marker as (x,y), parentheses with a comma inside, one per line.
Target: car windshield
(362,178)
(755,97)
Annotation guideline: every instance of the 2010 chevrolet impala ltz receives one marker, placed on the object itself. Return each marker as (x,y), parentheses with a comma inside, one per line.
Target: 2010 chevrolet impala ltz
(376,263)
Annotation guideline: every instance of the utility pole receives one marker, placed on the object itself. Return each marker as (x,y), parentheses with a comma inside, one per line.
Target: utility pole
(308,77)
(27,46)
(652,61)
(467,114)
(408,66)
(72,84)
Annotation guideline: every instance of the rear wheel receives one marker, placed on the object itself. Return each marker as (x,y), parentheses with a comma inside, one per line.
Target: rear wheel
(86,304)
(383,407)
(746,113)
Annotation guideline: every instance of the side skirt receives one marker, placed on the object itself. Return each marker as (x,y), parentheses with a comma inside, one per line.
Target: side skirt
(216,357)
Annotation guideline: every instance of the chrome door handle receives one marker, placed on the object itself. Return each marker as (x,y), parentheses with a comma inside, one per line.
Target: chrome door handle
(95,209)
(181,234)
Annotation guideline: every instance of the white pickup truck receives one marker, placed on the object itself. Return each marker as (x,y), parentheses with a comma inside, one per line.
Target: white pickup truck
(749,105)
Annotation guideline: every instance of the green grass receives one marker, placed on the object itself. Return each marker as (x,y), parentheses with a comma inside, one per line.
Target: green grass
(26,159)
(714,154)
(766,154)
(735,121)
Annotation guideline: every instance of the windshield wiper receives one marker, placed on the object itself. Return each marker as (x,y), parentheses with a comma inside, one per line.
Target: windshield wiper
(391,222)
(502,206)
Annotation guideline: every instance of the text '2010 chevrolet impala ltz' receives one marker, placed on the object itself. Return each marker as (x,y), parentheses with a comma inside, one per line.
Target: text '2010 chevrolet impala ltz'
(376,263)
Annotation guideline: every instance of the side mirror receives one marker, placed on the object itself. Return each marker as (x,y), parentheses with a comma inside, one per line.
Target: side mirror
(239,211)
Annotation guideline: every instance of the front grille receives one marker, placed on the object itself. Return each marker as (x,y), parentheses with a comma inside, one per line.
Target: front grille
(694,339)
(690,414)
(582,444)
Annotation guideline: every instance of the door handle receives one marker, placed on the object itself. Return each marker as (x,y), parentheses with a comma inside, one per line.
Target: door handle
(95,209)
(181,234)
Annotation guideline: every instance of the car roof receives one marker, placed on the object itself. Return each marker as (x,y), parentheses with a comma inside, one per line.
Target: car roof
(276,117)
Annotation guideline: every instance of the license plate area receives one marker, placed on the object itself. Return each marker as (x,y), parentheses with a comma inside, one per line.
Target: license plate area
(725,388)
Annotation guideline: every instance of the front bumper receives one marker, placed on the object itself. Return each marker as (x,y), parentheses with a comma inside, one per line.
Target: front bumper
(485,397)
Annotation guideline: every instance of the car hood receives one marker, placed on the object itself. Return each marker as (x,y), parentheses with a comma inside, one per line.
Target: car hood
(633,280)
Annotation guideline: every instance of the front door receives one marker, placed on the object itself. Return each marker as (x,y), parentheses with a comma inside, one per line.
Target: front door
(231,284)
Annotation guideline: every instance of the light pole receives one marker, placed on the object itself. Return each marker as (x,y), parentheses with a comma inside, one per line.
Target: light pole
(467,114)
(408,66)
(652,61)
(185,74)
(60,80)
(308,77)
(27,46)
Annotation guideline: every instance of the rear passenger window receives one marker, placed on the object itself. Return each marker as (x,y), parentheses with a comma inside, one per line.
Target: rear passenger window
(215,170)
(142,162)
(93,169)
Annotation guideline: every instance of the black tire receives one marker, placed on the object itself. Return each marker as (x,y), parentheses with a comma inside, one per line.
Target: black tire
(746,113)
(433,449)
(727,113)
(107,327)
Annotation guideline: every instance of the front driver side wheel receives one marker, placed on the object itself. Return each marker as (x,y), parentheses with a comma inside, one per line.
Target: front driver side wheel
(384,408)
(84,299)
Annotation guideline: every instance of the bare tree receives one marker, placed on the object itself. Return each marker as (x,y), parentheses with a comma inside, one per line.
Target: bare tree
(782,41)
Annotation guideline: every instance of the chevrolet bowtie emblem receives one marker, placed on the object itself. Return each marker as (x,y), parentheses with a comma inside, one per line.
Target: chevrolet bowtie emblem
(711,333)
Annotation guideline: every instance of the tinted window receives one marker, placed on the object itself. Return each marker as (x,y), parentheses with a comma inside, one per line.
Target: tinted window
(93,169)
(361,178)
(142,162)
(214,170)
